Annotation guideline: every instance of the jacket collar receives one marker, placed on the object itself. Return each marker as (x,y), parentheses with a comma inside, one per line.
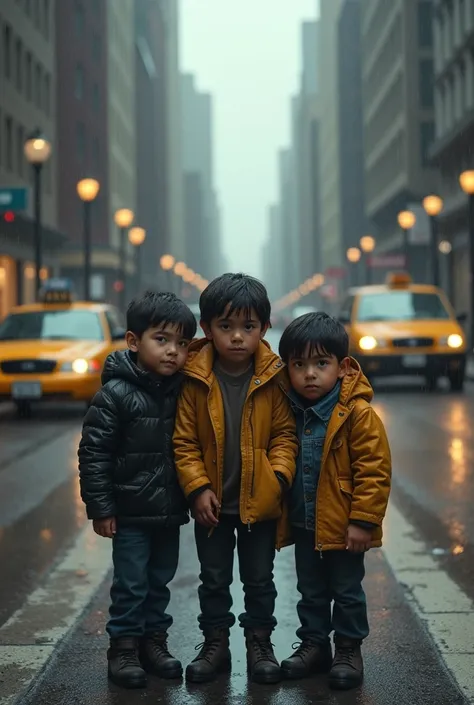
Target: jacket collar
(201,361)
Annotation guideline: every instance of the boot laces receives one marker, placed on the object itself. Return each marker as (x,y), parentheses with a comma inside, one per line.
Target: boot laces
(345,655)
(302,648)
(128,658)
(263,648)
(208,648)
(160,647)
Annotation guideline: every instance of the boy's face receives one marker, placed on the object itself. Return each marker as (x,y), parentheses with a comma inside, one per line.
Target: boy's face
(236,337)
(315,374)
(162,349)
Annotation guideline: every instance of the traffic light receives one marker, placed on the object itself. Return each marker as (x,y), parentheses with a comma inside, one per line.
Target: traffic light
(9,216)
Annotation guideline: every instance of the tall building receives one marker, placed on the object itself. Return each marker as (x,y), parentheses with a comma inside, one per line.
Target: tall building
(82,139)
(329,159)
(454,129)
(353,222)
(398,100)
(27,102)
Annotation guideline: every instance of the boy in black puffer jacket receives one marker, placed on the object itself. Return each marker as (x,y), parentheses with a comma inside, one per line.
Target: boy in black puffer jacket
(129,483)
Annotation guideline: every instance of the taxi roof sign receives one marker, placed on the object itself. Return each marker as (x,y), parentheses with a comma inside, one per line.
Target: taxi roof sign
(57,291)
(398,279)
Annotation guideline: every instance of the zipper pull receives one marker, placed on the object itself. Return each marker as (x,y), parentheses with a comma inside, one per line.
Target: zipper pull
(248,526)
(320,546)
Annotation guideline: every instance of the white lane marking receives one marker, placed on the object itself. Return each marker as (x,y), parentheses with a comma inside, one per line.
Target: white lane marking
(444,608)
(34,631)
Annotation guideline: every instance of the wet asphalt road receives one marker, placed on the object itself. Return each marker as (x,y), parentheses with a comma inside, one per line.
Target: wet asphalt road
(41,515)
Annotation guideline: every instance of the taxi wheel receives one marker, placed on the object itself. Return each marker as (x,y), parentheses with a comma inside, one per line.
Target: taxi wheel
(456,380)
(23,409)
(431,383)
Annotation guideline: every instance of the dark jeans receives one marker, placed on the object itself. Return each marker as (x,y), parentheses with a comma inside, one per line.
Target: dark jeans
(256,552)
(336,577)
(145,560)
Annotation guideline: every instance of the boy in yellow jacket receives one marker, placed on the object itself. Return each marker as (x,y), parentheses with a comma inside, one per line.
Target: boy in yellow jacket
(235,449)
(338,499)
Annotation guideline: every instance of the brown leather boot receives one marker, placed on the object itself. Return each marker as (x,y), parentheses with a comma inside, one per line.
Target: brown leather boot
(213,658)
(124,666)
(156,658)
(261,661)
(347,668)
(308,659)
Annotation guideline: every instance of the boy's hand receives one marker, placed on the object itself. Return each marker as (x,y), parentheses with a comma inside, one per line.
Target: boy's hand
(358,540)
(205,508)
(105,527)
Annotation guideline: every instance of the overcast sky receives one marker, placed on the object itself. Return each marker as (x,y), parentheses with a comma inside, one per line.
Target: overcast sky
(247,53)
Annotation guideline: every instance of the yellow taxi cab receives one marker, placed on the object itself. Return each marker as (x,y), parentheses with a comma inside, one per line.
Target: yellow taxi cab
(403,328)
(56,349)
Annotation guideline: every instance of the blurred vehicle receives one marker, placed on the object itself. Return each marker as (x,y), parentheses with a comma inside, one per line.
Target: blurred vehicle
(196,311)
(56,349)
(405,329)
(302,311)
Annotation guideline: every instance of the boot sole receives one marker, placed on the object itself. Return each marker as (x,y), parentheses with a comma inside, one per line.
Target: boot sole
(292,675)
(345,683)
(265,678)
(132,684)
(167,674)
(208,677)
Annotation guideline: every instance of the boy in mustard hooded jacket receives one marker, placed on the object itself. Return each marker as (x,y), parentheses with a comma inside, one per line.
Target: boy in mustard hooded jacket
(235,448)
(338,499)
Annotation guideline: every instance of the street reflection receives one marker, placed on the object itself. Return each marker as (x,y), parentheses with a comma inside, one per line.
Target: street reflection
(457,454)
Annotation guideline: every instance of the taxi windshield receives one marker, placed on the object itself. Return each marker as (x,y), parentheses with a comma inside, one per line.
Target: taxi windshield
(401,306)
(52,325)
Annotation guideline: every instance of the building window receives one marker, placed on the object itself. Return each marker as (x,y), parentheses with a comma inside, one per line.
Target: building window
(38,85)
(9,142)
(96,155)
(96,98)
(19,64)
(7,51)
(425,23)
(79,20)
(29,69)
(426,78)
(81,141)
(47,94)
(427,136)
(79,82)
(20,140)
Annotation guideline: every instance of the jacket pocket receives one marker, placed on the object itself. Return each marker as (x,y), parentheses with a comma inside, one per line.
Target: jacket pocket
(266,498)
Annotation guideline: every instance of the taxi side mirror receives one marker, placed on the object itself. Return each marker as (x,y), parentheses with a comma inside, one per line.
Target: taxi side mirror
(344,318)
(461,318)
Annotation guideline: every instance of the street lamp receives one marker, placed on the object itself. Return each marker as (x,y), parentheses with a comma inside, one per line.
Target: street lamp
(123,219)
(167,263)
(466,181)
(367,245)
(37,150)
(87,190)
(433,206)
(136,237)
(406,221)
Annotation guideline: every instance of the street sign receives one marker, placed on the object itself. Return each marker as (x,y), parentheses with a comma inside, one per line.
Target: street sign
(387,261)
(13,199)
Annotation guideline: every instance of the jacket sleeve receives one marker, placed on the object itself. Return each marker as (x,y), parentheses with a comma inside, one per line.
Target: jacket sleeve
(283,447)
(97,455)
(371,468)
(188,455)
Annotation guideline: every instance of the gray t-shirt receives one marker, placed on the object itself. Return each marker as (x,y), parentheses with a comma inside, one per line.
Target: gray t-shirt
(234,390)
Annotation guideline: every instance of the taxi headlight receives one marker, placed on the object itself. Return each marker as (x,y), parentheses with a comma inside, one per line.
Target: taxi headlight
(81,366)
(368,342)
(453,341)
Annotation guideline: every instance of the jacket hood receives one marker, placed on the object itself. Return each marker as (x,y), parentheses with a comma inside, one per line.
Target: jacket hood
(202,354)
(355,385)
(121,364)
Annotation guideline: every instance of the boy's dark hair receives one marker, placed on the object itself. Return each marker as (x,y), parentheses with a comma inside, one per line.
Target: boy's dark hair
(154,308)
(324,334)
(241,291)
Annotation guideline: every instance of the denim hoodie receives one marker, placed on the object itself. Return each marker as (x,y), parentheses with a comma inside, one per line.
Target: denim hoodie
(311,427)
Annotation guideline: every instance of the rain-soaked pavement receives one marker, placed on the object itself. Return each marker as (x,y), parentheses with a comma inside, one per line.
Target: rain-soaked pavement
(41,516)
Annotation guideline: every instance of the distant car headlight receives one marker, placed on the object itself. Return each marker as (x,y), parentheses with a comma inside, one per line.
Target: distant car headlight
(81,366)
(368,342)
(453,341)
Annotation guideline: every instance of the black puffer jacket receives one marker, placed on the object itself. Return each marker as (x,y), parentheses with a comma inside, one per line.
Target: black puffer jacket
(126,463)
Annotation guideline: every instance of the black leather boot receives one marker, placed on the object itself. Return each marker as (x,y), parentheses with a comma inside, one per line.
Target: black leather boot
(156,658)
(348,668)
(308,659)
(213,658)
(262,664)
(124,667)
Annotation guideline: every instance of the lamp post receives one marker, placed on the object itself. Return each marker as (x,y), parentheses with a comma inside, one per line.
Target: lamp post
(446,248)
(433,206)
(406,221)
(353,255)
(367,245)
(136,237)
(123,219)
(466,181)
(87,190)
(37,150)
(167,263)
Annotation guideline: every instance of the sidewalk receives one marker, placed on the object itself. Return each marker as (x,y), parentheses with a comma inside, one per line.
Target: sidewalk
(402,664)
